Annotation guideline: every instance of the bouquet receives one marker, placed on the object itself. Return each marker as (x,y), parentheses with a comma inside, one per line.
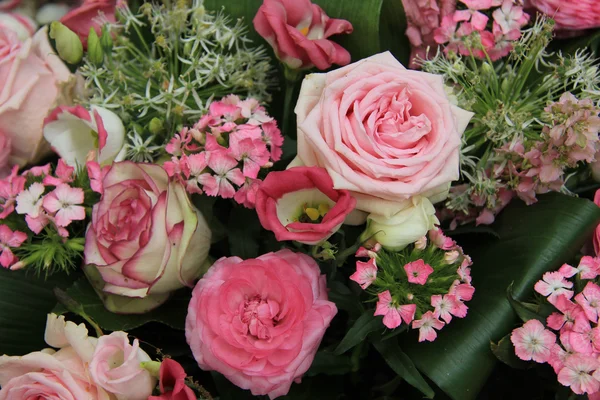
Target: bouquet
(204,199)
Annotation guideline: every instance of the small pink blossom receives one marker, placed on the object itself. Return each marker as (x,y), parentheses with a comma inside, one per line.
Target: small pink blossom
(462,291)
(96,174)
(418,272)
(570,312)
(533,342)
(29,201)
(446,306)
(578,372)
(394,314)
(63,172)
(10,187)
(427,325)
(451,256)
(273,138)
(226,172)
(552,285)
(588,268)
(583,337)
(64,201)
(366,273)
(253,153)
(8,240)
(589,300)
(246,194)
(440,240)
(421,243)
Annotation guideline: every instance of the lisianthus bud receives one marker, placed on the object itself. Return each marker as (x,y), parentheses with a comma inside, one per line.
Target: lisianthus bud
(68,44)
(106,40)
(94,49)
(156,126)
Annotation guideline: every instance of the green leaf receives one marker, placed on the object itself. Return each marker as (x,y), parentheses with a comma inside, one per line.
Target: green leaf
(344,299)
(328,363)
(533,240)
(172,313)
(403,365)
(525,311)
(25,301)
(505,352)
(364,325)
(244,232)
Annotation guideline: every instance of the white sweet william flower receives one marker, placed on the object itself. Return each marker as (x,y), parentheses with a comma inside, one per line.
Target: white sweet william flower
(74,131)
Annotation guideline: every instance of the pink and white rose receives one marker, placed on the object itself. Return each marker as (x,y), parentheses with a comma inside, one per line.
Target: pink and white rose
(53,374)
(33,80)
(260,321)
(381,131)
(75,131)
(298,31)
(145,240)
(21,24)
(116,366)
(283,197)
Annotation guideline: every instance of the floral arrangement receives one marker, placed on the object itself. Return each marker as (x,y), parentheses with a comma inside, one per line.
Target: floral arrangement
(207,199)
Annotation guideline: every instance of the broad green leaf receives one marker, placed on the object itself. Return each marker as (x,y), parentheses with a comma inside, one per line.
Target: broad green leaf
(172,313)
(403,365)
(525,311)
(533,240)
(364,325)
(244,232)
(505,352)
(328,363)
(25,302)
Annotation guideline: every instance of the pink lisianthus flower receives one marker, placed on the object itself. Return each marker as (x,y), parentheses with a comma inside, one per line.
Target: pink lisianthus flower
(427,326)
(418,272)
(259,321)
(301,204)
(570,15)
(533,342)
(298,31)
(552,285)
(9,240)
(91,14)
(394,314)
(172,382)
(366,273)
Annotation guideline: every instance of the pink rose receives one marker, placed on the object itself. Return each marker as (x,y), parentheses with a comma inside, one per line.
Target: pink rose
(381,131)
(260,321)
(6,5)
(116,367)
(172,382)
(33,80)
(50,374)
(597,232)
(90,14)
(570,14)
(145,239)
(298,31)
(21,24)
(301,204)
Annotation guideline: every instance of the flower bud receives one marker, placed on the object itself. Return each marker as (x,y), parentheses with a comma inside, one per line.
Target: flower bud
(421,243)
(106,40)
(95,52)
(156,126)
(68,45)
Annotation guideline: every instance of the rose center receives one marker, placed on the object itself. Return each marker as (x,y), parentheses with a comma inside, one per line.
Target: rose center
(259,315)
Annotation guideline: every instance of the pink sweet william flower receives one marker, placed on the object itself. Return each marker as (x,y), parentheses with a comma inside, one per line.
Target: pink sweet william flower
(569,312)
(578,374)
(446,306)
(63,174)
(252,152)
(284,196)
(246,194)
(552,285)
(96,174)
(597,231)
(226,173)
(440,240)
(427,326)
(533,342)
(64,202)
(589,299)
(10,187)
(418,272)
(253,320)
(394,314)
(298,31)
(366,273)
(570,14)
(9,239)
(172,382)
(588,268)
(583,337)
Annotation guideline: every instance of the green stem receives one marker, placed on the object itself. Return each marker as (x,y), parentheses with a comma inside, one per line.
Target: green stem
(292,76)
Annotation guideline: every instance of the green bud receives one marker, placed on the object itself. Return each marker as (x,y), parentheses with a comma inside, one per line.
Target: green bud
(68,45)
(487,69)
(94,50)
(106,40)
(187,48)
(156,126)
(151,366)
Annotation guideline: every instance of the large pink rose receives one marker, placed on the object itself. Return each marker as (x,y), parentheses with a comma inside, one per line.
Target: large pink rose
(90,14)
(301,204)
(33,80)
(145,239)
(260,321)
(381,131)
(51,374)
(570,14)
(298,31)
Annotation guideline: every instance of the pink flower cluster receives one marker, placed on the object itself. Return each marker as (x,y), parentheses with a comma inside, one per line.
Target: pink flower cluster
(417,292)
(470,30)
(575,356)
(222,154)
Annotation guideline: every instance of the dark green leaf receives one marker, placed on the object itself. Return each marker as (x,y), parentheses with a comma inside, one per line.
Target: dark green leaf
(533,240)
(402,365)
(525,311)
(505,352)
(328,363)
(364,325)
(244,232)
(25,302)
(344,299)
(172,313)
